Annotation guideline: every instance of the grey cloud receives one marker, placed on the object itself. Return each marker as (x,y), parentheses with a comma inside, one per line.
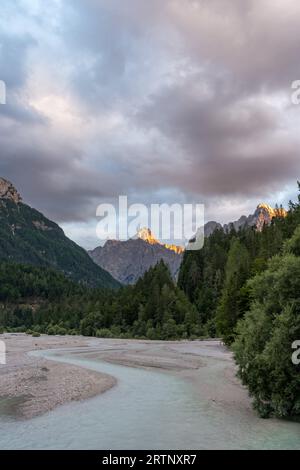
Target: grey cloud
(54,180)
(256,42)
(195,84)
(230,146)
(20,112)
(13,52)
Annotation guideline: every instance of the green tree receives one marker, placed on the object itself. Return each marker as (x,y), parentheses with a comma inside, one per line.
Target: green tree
(230,307)
(263,347)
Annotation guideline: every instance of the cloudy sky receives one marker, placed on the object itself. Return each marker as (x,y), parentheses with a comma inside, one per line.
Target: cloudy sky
(161,100)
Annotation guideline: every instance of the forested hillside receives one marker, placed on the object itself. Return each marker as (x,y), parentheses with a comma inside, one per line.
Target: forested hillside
(26,236)
(215,278)
(246,287)
(45,302)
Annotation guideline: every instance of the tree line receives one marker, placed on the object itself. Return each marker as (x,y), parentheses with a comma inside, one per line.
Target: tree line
(43,301)
(246,287)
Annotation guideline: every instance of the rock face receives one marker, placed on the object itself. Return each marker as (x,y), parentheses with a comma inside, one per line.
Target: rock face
(8,191)
(210,227)
(127,261)
(263,215)
(146,235)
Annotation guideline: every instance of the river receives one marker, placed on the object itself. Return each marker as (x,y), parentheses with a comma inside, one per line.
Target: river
(145,410)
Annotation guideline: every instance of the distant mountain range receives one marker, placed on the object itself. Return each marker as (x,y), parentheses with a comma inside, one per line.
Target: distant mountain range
(128,260)
(263,215)
(27,237)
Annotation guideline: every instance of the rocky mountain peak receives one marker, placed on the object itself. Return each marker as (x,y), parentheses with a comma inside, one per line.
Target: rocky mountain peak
(128,260)
(265,207)
(265,213)
(146,235)
(8,191)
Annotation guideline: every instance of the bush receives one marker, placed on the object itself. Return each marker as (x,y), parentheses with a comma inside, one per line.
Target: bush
(73,333)
(263,348)
(151,334)
(61,331)
(104,333)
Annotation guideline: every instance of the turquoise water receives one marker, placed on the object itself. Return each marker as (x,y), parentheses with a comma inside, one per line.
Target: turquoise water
(146,410)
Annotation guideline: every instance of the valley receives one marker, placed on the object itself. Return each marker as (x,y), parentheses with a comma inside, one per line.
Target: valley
(228,289)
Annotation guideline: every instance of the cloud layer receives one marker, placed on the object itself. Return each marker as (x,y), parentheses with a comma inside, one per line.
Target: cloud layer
(168,100)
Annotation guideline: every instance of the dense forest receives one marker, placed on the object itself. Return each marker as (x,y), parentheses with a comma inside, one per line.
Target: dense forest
(44,301)
(243,286)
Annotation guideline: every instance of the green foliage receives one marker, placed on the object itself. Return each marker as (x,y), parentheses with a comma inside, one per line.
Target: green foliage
(47,302)
(293,244)
(35,334)
(202,274)
(233,298)
(246,285)
(265,336)
(217,285)
(19,281)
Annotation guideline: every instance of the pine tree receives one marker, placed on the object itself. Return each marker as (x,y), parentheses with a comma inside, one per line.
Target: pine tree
(236,274)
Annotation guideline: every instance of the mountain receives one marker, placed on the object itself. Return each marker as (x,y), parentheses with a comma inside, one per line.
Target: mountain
(27,237)
(263,215)
(127,261)
(210,227)
(146,235)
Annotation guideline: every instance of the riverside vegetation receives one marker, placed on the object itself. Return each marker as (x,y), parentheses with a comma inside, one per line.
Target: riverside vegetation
(246,285)
(243,285)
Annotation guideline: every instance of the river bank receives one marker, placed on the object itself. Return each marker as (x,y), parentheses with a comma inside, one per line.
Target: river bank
(31,386)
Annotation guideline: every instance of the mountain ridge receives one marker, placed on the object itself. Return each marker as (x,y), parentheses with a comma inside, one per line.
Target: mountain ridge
(28,237)
(263,214)
(127,261)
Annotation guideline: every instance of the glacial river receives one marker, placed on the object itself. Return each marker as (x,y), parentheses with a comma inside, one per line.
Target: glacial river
(145,410)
